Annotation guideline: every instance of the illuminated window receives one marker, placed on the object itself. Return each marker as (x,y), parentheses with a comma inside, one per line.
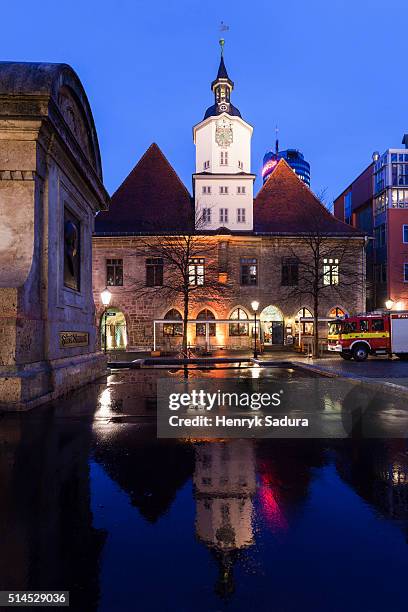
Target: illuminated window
(114,272)
(240,326)
(336,312)
(223,215)
(330,271)
(200,327)
(173,329)
(196,271)
(305,327)
(240,215)
(249,271)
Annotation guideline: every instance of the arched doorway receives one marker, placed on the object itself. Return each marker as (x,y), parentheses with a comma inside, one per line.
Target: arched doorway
(114,322)
(271,327)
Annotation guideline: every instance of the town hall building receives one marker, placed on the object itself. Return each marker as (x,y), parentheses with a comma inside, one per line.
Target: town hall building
(244,249)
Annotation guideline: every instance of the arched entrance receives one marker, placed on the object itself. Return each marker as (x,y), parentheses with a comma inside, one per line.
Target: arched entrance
(114,322)
(271,327)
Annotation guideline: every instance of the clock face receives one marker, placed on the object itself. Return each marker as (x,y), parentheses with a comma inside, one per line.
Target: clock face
(223,107)
(223,133)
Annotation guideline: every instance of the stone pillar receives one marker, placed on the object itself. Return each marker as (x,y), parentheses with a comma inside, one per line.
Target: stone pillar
(50,191)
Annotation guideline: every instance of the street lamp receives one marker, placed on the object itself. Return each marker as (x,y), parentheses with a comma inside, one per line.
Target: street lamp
(106,297)
(389,304)
(255,306)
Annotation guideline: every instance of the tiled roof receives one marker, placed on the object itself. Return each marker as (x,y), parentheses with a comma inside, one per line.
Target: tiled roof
(285,205)
(151,199)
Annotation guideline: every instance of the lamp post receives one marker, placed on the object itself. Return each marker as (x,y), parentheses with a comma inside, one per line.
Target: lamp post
(255,306)
(389,304)
(106,297)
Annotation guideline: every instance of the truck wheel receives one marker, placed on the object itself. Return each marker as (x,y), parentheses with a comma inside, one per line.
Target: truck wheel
(346,356)
(360,352)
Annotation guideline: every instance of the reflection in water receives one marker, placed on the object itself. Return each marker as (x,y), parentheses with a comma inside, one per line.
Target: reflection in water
(208,525)
(224,486)
(47,537)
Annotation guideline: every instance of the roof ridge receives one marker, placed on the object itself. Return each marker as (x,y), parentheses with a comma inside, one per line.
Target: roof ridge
(153,147)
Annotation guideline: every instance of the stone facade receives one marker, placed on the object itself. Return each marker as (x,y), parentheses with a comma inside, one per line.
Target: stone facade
(141,306)
(49,167)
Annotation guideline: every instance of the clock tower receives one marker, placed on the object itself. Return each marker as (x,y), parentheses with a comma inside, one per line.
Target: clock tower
(223,183)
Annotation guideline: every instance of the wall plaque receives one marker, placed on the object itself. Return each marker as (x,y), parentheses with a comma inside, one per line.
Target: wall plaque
(68,339)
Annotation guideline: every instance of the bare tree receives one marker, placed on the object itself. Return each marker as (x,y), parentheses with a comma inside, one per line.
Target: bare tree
(190,266)
(327,263)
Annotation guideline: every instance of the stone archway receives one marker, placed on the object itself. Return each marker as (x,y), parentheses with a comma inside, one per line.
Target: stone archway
(271,326)
(114,323)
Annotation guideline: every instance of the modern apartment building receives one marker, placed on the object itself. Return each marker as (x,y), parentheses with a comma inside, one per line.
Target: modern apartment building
(377,201)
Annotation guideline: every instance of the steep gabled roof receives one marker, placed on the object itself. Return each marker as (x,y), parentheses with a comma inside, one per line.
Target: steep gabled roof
(151,199)
(285,205)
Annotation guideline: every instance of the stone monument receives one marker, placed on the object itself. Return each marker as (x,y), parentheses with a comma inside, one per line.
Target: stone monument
(50,191)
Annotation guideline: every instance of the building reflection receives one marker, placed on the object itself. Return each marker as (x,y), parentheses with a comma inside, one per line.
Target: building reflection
(378,471)
(149,470)
(47,537)
(224,488)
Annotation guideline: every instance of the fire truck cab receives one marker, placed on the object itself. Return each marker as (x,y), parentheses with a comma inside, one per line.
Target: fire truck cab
(384,333)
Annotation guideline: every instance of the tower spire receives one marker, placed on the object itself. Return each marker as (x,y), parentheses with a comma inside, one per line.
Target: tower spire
(222,86)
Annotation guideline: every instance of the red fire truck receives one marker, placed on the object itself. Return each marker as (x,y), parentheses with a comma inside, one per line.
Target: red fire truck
(370,334)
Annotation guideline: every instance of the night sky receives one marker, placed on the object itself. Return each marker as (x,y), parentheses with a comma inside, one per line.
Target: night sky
(331,75)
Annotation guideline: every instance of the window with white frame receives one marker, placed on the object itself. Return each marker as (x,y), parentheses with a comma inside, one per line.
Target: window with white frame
(241,190)
(206,190)
(206,215)
(330,271)
(224,190)
(223,215)
(196,271)
(206,165)
(405,272)
(405,234)
(240,215)
(224,158)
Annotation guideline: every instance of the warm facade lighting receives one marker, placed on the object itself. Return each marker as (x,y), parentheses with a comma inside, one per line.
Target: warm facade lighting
(255,305)
(389,304)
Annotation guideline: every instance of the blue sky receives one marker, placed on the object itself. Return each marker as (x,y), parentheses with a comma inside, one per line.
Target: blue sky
(331,75)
